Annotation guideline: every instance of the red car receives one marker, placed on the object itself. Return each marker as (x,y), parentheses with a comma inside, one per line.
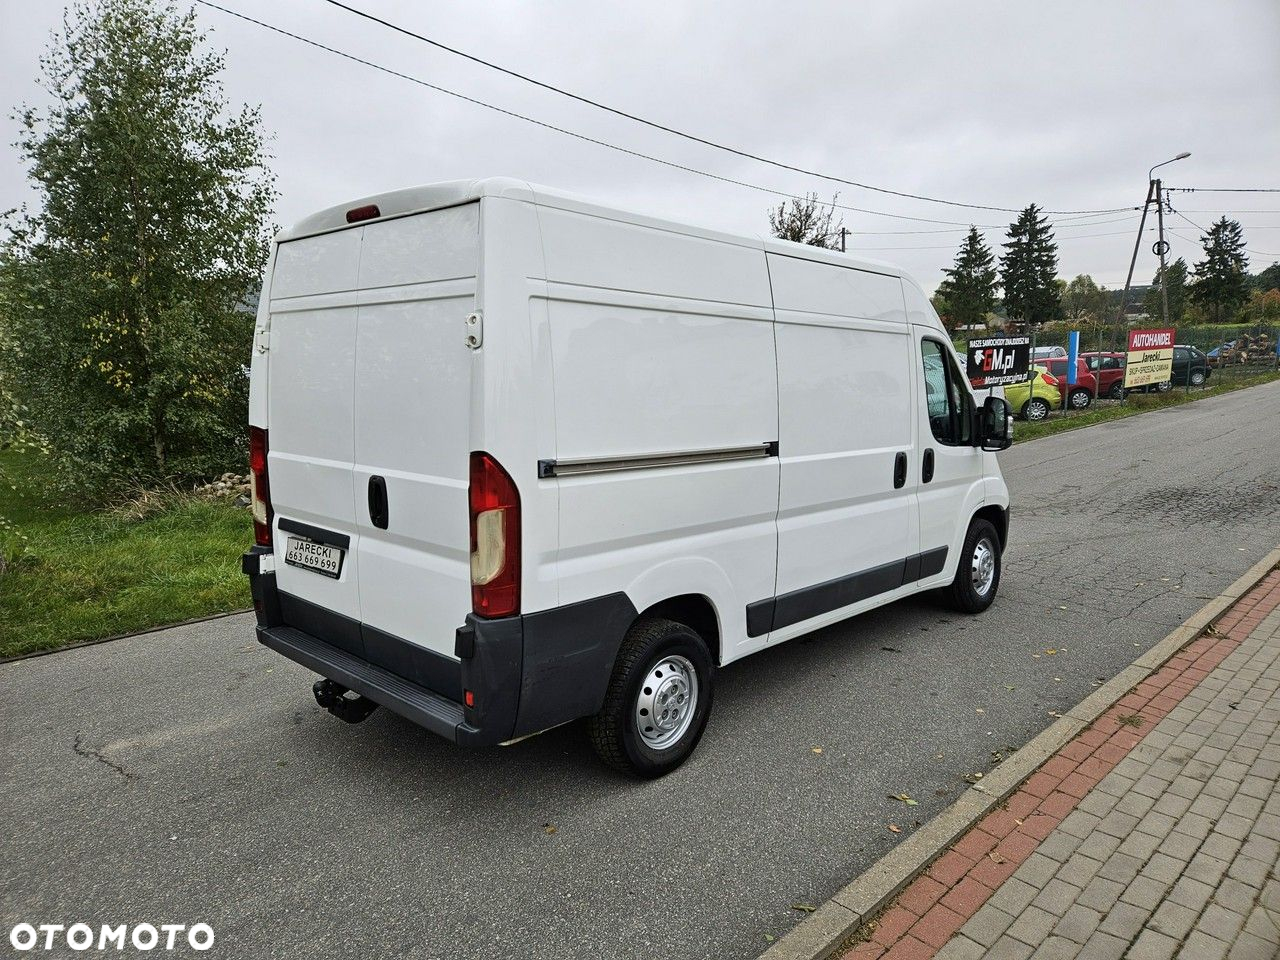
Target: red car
(1081,393)
(1108,368)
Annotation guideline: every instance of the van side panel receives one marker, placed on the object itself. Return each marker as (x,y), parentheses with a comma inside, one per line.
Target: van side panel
(310,394)
(846,404)
(412,423)
(662,344)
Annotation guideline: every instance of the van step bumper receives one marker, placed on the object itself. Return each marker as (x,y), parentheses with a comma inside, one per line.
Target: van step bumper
(437,713)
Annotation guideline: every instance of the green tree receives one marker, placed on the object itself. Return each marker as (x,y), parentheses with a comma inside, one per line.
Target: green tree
(1029,269)
(1083,301)
(970,285)
(1221,283)
(128,284)
(1175,280)
(942,307)
(807,221)
(1268,279)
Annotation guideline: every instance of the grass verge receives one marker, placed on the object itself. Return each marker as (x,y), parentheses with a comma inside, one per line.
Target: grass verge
(1136,404)
(71,575)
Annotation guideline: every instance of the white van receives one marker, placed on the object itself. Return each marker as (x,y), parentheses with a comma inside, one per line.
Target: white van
(520,459)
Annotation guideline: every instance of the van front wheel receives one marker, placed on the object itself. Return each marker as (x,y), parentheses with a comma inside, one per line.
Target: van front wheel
(658,700)
(978,575)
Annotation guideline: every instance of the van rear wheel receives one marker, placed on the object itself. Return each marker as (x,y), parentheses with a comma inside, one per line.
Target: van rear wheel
(658,699)
(978,575)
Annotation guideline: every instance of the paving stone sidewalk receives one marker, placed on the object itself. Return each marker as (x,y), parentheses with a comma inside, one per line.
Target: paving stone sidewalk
(1153,835)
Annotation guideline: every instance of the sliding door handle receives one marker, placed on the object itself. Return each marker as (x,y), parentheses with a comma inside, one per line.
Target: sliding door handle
(378,502)
(899,470)
(926,466)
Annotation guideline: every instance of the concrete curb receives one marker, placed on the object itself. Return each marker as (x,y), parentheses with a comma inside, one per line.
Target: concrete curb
(828,927)
(122,636)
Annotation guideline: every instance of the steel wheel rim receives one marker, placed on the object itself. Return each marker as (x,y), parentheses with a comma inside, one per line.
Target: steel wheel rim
(666,702)
(983,567)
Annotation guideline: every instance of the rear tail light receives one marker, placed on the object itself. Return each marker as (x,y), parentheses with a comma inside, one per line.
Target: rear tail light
(259,491)
(495,539)
(1050,379)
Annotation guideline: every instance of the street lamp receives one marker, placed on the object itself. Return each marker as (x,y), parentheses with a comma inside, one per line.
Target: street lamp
(1162,247)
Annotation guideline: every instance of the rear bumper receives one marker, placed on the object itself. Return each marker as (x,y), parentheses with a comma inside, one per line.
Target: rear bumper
(525,673)
(424,707)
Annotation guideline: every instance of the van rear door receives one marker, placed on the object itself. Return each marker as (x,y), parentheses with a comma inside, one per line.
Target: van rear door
(412,438)
(310,382)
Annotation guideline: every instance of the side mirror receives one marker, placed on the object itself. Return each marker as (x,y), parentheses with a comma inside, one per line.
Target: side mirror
(995,424)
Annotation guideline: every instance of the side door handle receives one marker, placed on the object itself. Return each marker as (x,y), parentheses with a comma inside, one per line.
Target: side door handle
(926,466)
(899,470)
(378,502)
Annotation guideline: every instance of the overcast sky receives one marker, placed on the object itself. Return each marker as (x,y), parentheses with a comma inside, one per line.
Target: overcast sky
(1063,104)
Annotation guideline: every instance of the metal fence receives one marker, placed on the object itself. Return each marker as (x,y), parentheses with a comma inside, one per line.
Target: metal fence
(1235,353)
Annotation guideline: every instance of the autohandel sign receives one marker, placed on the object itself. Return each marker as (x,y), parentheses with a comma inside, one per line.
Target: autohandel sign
(998,361)
(1150,357)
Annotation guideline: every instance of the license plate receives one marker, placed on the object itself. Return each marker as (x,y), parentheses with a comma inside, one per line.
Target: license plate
(310,555)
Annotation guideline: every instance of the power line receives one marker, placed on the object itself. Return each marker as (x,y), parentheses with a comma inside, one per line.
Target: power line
(1247,249)
(578,136)
(736,151)
(1223,189)
(1087,236)
(1057,224)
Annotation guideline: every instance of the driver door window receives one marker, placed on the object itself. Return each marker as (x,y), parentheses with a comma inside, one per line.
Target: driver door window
(949,403)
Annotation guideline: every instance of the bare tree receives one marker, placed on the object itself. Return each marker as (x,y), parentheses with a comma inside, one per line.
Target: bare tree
(807,221)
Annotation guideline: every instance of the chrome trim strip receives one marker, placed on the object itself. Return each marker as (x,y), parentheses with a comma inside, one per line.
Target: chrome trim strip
(573,468)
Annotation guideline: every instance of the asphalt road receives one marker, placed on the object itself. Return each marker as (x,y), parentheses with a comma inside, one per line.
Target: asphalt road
(188,776)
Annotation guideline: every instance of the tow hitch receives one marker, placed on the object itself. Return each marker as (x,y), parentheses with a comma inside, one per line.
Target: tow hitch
(333,697)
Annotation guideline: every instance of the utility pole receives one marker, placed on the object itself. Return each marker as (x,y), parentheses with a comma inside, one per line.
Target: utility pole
(1133,261)
(843,233)
(1163,249)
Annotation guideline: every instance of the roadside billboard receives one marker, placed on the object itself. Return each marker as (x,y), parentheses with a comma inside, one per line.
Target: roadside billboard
(1149,358)
(997,361)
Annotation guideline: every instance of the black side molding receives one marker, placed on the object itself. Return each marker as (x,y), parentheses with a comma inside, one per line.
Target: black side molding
(796,606)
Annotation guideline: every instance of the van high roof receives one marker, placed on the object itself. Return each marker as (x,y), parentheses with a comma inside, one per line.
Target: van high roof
(450,193)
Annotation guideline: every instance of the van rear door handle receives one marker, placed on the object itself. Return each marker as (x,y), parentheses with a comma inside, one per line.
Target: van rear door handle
(926,467)
(899,470)
(378,502)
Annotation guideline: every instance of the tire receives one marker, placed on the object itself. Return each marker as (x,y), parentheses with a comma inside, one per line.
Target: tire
(1035,409)
(1164,387)
(1079,399)
(978,574)
(1117,391)
(1197,378)
(661,665)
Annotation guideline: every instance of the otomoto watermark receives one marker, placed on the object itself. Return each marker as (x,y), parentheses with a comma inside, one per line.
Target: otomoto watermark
(107,936)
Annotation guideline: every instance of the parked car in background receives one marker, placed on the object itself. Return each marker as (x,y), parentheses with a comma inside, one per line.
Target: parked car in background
(1190,368)
(1079,394)
(1043,353)
(1190,365)
(1033,399)
(1108,370)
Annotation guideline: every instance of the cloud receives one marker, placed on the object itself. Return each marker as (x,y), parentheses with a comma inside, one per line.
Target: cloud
(1003,103)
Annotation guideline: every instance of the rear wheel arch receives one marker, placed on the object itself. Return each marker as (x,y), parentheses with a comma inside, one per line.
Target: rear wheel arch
(695,611)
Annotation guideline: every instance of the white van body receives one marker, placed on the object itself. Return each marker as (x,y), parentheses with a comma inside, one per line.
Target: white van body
(702,427)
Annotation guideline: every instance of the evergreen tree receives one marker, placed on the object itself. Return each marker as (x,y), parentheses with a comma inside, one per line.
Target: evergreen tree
(1029,269)
(128,285)
(970,288)
(1221,282)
